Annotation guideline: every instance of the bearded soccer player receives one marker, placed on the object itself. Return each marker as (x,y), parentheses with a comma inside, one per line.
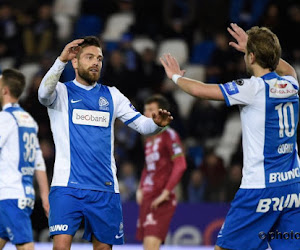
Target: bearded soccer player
(20,159)
(82,116)
(268,199)
(165,165)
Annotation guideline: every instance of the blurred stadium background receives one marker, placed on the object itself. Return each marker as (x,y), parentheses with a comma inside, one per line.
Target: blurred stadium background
(134,33)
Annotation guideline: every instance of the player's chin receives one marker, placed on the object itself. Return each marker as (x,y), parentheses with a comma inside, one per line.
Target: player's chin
(94,76)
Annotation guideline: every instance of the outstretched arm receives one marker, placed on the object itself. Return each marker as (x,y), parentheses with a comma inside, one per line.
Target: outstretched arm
(46,91)
(241,38)
(193,87)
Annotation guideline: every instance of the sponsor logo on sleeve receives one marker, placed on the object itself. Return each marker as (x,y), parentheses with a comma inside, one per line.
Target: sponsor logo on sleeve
(231,88)
(90,118)
(132,107)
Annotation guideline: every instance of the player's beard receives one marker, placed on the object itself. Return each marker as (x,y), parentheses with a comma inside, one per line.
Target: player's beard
(86,75)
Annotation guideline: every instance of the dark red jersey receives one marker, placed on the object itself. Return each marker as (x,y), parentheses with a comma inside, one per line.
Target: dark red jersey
(165,163)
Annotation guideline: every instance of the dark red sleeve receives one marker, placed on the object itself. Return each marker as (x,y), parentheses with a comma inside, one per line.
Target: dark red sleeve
(143,176)
(178,159)
(178,169)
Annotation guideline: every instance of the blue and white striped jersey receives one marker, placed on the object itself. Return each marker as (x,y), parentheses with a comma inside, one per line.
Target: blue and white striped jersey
(82,122)
(20,153)
(269,108)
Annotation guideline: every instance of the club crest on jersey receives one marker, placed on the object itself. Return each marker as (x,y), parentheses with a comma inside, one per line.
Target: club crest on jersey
(239,82)
(103,103)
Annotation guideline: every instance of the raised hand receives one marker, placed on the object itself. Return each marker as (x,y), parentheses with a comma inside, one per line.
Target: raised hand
(70,50)
(171,65)
(240,36)
(163,118)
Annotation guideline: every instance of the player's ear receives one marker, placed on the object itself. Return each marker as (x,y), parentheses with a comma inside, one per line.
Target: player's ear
(252,57)
(75,63)
(5,90)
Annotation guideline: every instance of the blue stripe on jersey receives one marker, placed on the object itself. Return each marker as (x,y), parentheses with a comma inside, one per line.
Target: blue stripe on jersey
(224,94)
(280,153)
(27,147)
(90,146)
(132,119)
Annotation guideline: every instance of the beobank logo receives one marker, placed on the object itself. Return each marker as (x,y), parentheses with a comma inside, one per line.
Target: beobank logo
(91,118)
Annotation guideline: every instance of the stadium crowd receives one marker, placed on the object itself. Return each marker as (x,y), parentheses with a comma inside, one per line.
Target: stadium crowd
(134,33)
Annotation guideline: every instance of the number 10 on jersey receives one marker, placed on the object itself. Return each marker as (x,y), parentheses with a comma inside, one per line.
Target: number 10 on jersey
(284,127)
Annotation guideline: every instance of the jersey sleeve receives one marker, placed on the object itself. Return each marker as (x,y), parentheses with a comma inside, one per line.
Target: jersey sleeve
(7,123)
(48,90)
(240,92)
(125,111)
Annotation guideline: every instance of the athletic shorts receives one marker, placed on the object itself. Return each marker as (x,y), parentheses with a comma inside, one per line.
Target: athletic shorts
(101,212)
(261,216)
(155,222)
(15,223)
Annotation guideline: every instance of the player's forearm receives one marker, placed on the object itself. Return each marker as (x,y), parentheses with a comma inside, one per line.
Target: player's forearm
(284,69)
(177,172)
(46,91)
(200,89)
(145,126)
(42,181)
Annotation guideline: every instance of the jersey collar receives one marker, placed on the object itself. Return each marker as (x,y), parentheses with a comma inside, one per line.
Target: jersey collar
(9,105)
(78,84)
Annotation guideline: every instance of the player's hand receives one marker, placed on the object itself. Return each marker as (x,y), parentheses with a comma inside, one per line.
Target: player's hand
(70,50)
(164,196)
(171,65)
(46,206)
(139,196)
(240,36)
(162,118)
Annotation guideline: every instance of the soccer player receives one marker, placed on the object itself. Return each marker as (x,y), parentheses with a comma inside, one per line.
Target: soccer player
(165,164)
(20,158)
(268,198)
(82,115)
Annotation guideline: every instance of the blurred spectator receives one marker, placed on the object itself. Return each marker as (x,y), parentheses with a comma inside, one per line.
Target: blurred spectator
(233,181)
(247,12)
(130,55)
(206,120)
(293,25)
(148,18)
(214,173)
(128,145)
(196,187)
(150,75)
(116,74)
(222,64)
(39,35)
(127,181)
(179,18)
(32,105)
(9,30)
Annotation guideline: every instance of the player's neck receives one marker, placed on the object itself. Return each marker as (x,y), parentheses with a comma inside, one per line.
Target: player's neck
(8,99)
(259,71)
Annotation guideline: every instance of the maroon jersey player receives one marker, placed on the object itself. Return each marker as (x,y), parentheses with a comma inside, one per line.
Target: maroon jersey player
(165,164)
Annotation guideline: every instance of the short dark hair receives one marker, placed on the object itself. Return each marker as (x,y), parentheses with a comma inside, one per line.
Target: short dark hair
(161,101)
(264,44)
(89,41)
(14,80)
